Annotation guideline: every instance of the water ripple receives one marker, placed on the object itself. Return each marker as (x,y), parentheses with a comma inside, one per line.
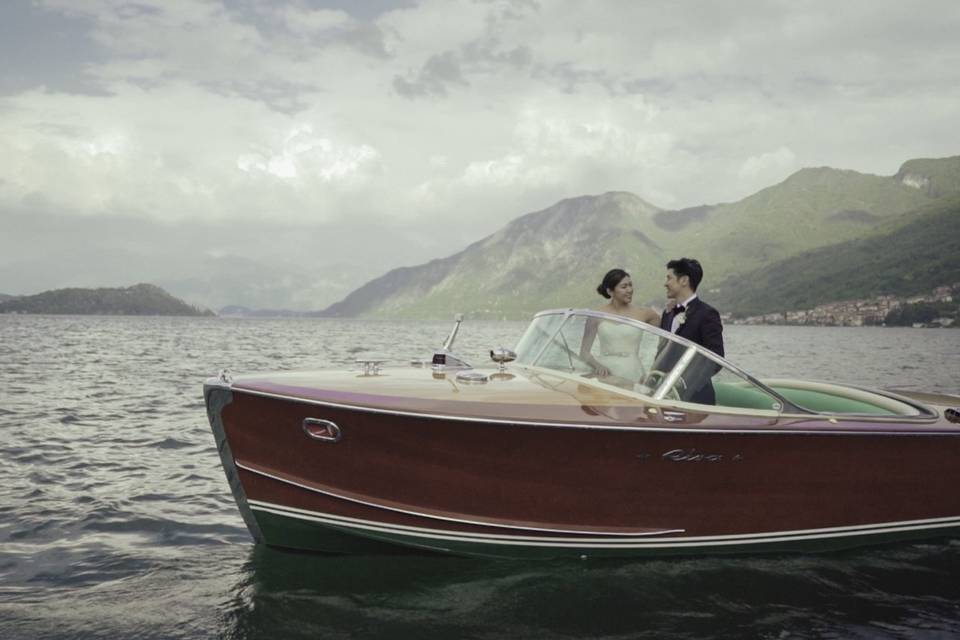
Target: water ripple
(116,519)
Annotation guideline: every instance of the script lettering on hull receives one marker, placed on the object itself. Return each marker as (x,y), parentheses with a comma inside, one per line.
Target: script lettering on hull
(691,455)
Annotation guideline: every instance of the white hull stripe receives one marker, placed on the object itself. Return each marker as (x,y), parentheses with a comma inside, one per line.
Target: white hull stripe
(479,523)
(806,535)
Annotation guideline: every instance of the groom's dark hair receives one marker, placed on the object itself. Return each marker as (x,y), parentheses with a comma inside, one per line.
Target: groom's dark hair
(687,267)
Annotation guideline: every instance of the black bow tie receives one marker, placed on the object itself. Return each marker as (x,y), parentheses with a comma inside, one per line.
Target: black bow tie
(679,309)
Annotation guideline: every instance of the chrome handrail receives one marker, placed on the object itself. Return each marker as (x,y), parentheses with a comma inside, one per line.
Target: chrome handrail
(678,370)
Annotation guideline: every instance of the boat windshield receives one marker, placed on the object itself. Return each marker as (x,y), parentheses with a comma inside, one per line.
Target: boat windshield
(638,357)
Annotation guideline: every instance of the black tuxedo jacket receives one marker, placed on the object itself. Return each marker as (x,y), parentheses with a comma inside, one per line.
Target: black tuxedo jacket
(704,327)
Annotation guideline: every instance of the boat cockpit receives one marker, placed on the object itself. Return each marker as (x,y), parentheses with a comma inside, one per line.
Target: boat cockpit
(639,359)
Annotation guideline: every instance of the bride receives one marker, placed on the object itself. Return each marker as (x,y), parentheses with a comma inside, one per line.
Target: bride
(618,357)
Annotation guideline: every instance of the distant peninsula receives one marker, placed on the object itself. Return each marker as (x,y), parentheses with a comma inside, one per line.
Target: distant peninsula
(138,300)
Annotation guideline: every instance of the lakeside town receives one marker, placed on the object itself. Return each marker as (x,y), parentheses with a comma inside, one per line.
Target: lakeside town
(875,311)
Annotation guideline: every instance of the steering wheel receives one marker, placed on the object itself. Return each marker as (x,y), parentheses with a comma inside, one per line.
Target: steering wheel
(656,377)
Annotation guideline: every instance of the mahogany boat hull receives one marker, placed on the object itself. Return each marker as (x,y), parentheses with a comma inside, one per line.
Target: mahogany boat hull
(555,479)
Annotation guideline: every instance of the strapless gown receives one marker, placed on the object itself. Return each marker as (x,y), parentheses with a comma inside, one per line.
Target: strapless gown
(620,351)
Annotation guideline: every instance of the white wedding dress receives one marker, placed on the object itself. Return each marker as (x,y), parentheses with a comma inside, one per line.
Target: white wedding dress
(619,351)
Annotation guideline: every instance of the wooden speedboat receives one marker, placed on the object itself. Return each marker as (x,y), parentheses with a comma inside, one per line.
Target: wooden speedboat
(543,457)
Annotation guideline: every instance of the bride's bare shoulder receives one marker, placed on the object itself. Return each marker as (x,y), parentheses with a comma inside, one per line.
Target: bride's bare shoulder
(648,315)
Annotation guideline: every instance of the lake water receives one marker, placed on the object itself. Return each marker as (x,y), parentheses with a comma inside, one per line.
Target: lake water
(116,520)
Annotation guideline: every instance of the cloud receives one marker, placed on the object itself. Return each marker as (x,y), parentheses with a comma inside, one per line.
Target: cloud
(439,72)
(325,27)
(220,45)
(303,155)
(440,121)
(210,157)
(769,167)
(566,147)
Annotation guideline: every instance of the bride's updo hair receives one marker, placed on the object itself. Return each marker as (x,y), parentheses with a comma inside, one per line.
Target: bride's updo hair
(611,280)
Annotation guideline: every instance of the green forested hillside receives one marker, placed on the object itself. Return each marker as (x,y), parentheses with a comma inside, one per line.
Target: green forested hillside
(141,300)
(902,259)
(812,208)
(923,313)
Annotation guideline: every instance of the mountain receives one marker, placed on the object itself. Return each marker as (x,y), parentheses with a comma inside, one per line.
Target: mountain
(909,255)
(138,300)
(811,208)
(557,256)
(538,260)
(4,297)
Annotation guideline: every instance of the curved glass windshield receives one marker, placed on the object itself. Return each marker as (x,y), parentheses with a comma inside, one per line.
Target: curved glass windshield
(636,357)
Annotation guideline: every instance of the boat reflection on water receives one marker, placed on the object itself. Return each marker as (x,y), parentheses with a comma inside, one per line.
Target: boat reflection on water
(294,595)
(544,458)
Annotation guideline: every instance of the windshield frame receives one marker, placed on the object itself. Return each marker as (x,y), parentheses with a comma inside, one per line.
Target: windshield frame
(785,405)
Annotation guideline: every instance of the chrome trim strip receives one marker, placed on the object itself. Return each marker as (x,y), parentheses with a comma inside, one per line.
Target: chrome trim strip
(420,514)
(586,543)
(572,425)
(414,529)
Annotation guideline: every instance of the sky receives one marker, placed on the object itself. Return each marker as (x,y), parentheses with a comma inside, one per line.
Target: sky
(281,154)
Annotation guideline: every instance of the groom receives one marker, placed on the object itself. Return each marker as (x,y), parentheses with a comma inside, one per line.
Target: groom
(691,317)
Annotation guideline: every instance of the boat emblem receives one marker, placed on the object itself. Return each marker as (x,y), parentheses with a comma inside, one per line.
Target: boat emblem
(320,429)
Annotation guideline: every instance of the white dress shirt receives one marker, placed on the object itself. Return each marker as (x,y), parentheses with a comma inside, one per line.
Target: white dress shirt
(675,323)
